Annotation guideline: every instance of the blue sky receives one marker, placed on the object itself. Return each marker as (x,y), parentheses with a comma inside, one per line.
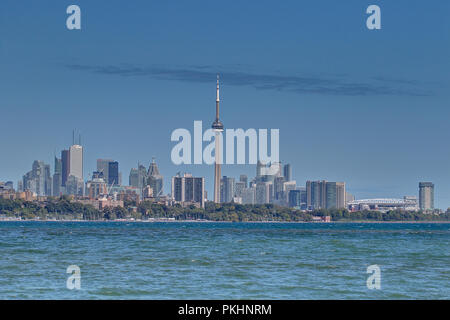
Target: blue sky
(370,108)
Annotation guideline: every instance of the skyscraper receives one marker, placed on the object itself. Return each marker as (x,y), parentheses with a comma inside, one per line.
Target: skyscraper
(57,177)
(335,195)
(287,172)
(113,173)
(262,192)
(65,166)
(325,195)
(243,178)
(426,195)
(217,126)
(188,189)
(103,166)
(226,189)
(76,161)
(316,194)
(38,180)
(155,179)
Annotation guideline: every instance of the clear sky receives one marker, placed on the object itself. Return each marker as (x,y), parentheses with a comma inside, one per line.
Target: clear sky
(370,108)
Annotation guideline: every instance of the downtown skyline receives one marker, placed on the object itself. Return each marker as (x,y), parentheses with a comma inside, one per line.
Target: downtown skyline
(379,99)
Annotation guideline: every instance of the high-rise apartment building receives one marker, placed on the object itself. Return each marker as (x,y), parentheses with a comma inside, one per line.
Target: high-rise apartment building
(187,189)
(426,195)
(226,189)
(335,195)
(325,195)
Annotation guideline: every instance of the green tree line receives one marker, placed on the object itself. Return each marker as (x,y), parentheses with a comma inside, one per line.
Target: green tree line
(63,209)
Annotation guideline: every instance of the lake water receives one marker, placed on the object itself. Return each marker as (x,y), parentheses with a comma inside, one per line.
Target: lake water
(177,260)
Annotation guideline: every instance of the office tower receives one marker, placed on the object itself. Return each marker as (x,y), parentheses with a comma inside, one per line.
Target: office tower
(155,179)
(57,181)
(226,189)
(113,173)
(138,177)
(65,166)
(187,189)
(335,195)
(262,192)
(58,165)
(103,166)
(243,178)
(287,172)
(76,161)
(133,178)
(9,185)
(217,127)
(57,178)
(278,188)
(238,188)
(248,195)
(426,196)
(38,180)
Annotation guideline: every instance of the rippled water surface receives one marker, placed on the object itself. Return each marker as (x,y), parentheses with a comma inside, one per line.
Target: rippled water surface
(176,260)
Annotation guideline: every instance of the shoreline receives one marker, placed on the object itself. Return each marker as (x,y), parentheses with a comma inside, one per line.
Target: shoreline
(211,221)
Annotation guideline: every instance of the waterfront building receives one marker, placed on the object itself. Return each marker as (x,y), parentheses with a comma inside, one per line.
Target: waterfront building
(426,196)
(335,195)
(316,194)
(325,195)
(411,203)
(383,204)
(188,190)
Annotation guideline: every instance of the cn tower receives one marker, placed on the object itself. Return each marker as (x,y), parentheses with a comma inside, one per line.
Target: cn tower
(217,126)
